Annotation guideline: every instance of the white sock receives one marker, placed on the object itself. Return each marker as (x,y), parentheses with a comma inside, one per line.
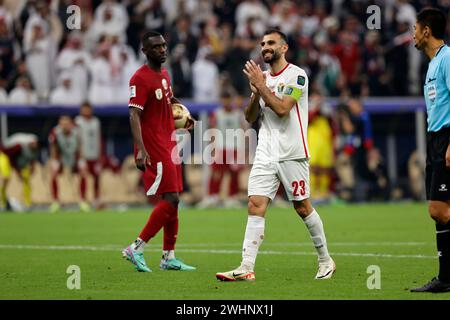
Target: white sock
(168,254)
(138,245)
(254,235)
(315,227)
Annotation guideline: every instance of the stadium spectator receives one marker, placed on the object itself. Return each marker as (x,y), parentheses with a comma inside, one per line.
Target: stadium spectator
(19,152)
(23,93)
(182,34)
(101,88)
(285,17)
(110,18)
(75,59)
(40,56)
(20,71)
(6,16)
(329,78)
(251,18)
(397,58)
(136,13)
(7,50)
(123,64)
(91,147)
(320,34)
(181,72)
(155,14)
(235,58)
(373,65)
(65,93)
(309,22)
(66,152)
(43,16)
(205,77)
(226,117)
(348,52)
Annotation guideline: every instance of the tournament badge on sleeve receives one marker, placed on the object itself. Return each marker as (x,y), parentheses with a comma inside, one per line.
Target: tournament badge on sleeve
(301,80)
(159,94)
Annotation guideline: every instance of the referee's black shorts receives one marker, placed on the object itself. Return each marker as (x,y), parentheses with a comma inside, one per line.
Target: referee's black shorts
(437,180)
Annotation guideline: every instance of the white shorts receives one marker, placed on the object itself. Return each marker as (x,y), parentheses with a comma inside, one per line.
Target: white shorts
(265,179)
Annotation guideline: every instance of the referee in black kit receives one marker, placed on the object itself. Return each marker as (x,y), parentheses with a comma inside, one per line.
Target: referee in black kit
(429,33)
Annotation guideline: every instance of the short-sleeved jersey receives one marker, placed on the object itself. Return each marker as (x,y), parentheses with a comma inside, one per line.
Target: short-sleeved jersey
(284,138)
(437,90)
(151,92)
(90,135)
(68,145)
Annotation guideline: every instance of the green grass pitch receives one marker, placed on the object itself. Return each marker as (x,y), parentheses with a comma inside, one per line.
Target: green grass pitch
(37,248)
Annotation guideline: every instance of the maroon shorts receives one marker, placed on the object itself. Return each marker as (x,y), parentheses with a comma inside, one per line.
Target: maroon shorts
(163,177)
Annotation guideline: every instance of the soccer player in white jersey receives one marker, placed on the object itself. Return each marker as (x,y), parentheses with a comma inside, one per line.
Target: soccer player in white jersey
(281,96)
(91,144)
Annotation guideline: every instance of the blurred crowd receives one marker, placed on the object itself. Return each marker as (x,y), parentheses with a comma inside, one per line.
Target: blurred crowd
(42,60)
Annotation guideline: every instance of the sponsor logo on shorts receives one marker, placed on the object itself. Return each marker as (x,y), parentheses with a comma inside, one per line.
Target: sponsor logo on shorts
(443,188)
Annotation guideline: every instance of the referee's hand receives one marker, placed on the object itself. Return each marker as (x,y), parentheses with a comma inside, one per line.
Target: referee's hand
(447,157)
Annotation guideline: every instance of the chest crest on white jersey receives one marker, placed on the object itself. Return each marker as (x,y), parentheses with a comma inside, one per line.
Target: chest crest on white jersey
(280,87)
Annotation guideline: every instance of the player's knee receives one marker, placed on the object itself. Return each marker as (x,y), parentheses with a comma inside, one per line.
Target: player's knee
(172,198)
(256,206)
(303,208)
(439,212)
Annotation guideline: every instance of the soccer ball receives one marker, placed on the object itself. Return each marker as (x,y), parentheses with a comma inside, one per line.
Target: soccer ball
(181,116)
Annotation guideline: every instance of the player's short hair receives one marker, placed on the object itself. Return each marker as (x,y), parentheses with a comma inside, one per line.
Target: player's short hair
(435,19)
(149,34)
(277,31)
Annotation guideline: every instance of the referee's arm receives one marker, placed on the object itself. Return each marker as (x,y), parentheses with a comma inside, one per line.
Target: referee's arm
(447,83)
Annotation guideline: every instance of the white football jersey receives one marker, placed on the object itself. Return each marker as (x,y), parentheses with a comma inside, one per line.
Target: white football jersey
(90,134)
(285,138)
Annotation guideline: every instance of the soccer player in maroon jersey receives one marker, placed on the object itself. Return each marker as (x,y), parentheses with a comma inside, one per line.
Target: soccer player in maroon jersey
(152,126)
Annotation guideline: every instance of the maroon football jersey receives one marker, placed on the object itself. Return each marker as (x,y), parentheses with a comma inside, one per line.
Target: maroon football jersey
(151,92)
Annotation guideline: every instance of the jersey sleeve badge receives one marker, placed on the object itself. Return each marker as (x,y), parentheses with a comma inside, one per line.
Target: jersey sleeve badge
(301,80)
(158,94)
(132,91)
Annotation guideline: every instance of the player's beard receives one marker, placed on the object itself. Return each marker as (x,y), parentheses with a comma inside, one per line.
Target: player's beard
(274,57)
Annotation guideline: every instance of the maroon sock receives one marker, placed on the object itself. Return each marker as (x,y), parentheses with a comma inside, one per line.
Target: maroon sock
(83,188)
(171,231)
(55,193)
(160,214)
(96,186)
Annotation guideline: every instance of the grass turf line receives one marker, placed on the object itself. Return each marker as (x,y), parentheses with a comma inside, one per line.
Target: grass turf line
(372,234)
